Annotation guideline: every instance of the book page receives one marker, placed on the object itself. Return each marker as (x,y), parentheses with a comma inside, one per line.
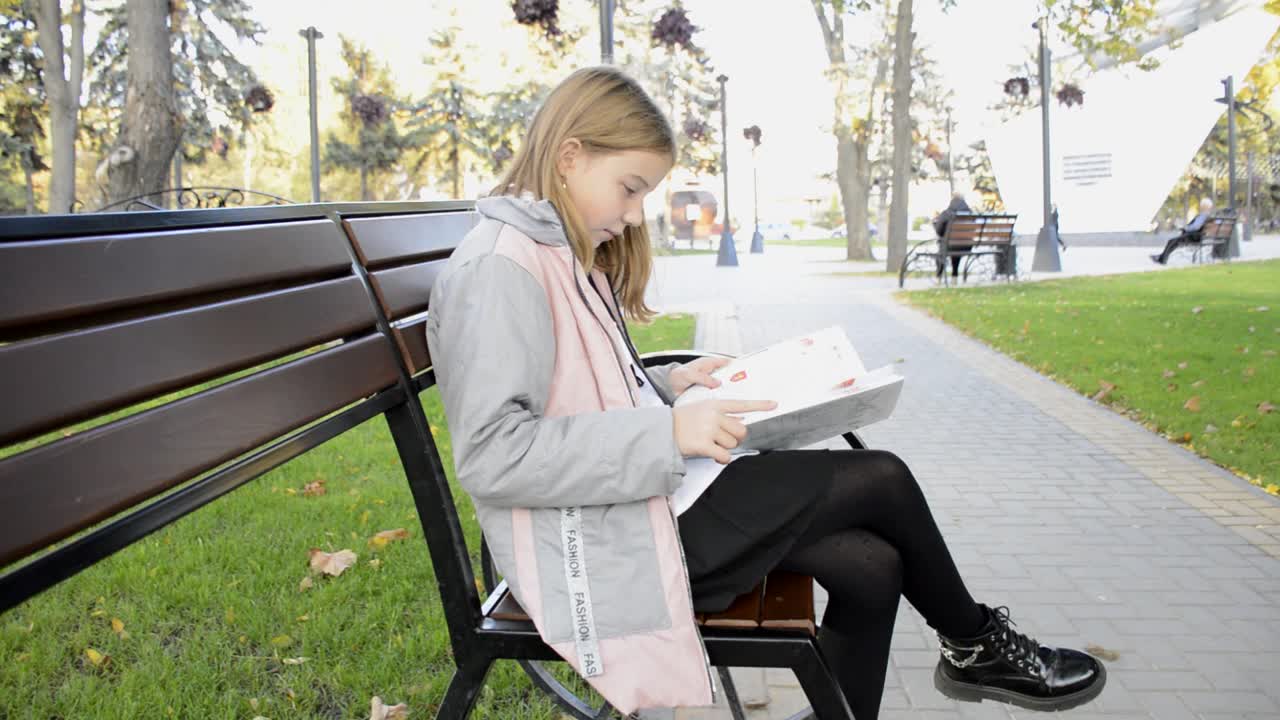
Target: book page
(819,382)
(795,373)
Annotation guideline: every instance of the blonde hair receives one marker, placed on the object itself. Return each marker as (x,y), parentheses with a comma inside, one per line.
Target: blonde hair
(607,112)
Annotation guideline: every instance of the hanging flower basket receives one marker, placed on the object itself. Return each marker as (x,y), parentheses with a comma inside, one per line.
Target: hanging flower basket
(371,109)
(259,99)
(673,29)
(219,146)
(753,134)
(1070,94)
(538,12)
(696,130)
(1017,87)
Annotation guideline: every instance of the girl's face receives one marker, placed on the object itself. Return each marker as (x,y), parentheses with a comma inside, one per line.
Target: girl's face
(608,189)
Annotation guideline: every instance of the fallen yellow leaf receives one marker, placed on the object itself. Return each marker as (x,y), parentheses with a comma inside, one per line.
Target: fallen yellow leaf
(1104,391)
(282,641)
(1265,408)
(1100,652)
(306,584)
(96,658)
(294,661)
(332,563)
(314,489)
(386,536)
(379,711)
(1192,404)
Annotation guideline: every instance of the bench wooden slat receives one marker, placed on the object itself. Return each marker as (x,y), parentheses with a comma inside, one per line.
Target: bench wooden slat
(44,280)
(56,380)
(508,609)
(57,489)
(391,239)
(788,602)
(743,613)
(405,290)
(412,339)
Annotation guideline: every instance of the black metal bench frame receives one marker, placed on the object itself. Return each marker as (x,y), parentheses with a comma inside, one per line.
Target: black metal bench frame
(970,236)
(1213,241)
(370,358)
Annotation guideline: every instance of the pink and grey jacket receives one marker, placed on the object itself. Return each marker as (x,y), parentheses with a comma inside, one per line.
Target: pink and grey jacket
(570,479)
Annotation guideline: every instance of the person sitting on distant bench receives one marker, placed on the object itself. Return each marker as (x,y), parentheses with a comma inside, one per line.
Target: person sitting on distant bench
(1190,234)
(958,205)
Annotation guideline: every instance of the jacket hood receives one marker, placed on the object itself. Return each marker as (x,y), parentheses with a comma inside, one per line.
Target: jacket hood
(538,219)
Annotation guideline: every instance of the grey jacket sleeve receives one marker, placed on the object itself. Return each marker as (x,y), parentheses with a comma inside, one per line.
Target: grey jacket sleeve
(661,377)
(1197,222)
(493,348)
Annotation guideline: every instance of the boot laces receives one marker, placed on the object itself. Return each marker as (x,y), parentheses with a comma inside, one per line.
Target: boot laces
(1016,647)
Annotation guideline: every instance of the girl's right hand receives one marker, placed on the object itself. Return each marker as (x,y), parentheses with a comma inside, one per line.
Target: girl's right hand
(707,429)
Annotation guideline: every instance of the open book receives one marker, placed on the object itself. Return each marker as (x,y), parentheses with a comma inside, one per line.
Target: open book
(819,382)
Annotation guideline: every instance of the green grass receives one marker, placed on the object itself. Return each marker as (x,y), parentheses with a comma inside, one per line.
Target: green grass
(1191,353)
(214,621)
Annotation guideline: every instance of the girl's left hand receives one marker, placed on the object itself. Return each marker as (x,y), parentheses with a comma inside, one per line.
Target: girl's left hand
(696,372)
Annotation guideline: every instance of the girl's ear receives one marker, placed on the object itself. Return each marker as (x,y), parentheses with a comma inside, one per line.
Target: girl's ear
(567,155)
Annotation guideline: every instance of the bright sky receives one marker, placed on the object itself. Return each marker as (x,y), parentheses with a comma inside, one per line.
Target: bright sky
(772,52)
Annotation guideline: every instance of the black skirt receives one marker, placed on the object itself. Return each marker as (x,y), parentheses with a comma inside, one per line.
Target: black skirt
(750,517)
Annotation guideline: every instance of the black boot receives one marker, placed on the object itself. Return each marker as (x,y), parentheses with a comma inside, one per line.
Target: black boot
(1004,665)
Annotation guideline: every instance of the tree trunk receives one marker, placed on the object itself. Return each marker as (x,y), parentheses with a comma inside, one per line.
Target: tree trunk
(882,210)
(364,183)
(63,91)
(140,161)
(902,41)
(849,176)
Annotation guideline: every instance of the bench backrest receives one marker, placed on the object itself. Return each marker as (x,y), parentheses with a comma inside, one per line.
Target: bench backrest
(967,229)
(1218,228)
(152,362)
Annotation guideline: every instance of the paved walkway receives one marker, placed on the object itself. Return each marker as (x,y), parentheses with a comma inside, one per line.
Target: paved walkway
(1091,529)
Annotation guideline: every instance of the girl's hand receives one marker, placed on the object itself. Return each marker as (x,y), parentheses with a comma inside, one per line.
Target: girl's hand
(707,429)
(696,372)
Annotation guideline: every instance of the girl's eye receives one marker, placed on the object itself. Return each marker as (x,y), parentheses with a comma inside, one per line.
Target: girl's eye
(630,192)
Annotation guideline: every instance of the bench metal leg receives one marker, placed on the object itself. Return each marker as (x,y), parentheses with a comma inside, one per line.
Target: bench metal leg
(825,696)
(464,688)
(731,694)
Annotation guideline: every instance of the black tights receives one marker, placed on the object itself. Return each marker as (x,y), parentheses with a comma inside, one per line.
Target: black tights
(872,541)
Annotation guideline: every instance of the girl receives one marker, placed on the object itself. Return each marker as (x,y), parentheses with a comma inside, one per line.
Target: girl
(571,451)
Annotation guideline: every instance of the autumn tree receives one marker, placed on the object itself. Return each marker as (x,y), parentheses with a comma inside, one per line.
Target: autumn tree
(191,76)
(62,72)
(372,142)
(22,100)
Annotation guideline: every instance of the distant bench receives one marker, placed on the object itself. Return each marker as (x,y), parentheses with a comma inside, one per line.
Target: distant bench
(973,237)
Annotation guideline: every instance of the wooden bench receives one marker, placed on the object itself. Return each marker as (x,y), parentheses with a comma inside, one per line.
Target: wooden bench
(1214,239)
(279,329)
(971,237)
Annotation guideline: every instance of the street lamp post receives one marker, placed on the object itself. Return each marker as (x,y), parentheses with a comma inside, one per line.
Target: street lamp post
(311,34)
(1229,99)
(1046,258)
(728,255)
(606,32)
(757,240)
